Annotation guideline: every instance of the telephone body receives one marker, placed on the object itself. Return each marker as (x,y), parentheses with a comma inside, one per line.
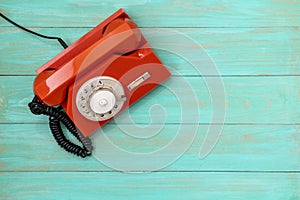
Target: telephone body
(101,74)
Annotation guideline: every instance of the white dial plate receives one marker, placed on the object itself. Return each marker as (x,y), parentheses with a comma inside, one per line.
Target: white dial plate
(100,98)
(102,101)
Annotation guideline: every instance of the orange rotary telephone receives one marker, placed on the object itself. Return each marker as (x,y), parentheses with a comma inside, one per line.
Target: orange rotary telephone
(94,79)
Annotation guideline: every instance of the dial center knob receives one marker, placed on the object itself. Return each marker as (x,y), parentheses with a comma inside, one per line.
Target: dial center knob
(102,101)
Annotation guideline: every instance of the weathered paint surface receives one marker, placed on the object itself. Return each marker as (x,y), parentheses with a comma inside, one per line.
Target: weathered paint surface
(254,44)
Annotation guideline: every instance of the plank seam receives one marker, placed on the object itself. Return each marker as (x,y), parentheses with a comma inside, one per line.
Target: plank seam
(201,124)
(164,171)
(177,27)
(192,76)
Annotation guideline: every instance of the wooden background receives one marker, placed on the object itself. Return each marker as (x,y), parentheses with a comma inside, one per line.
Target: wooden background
(256,46)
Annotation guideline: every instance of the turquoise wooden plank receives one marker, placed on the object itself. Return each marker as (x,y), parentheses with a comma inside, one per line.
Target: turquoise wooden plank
(248,51)
(257,154)
(31,147)
(157,13)
(160,185)
(248,100)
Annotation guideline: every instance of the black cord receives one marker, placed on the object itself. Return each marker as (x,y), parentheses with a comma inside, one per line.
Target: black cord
(61,41)
(56,115)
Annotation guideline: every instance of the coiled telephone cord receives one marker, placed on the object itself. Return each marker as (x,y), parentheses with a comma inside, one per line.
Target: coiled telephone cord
(56,115)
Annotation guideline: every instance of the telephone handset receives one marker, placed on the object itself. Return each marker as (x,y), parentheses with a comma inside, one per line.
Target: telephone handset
(94,79)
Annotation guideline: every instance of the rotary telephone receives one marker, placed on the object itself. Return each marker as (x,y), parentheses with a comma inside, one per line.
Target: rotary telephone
(94,79)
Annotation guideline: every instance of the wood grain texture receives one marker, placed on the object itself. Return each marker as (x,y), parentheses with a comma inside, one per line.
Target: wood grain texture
(254,44)
(161,185)
(31,147)
(157,13)
(247,51)
(248,100)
